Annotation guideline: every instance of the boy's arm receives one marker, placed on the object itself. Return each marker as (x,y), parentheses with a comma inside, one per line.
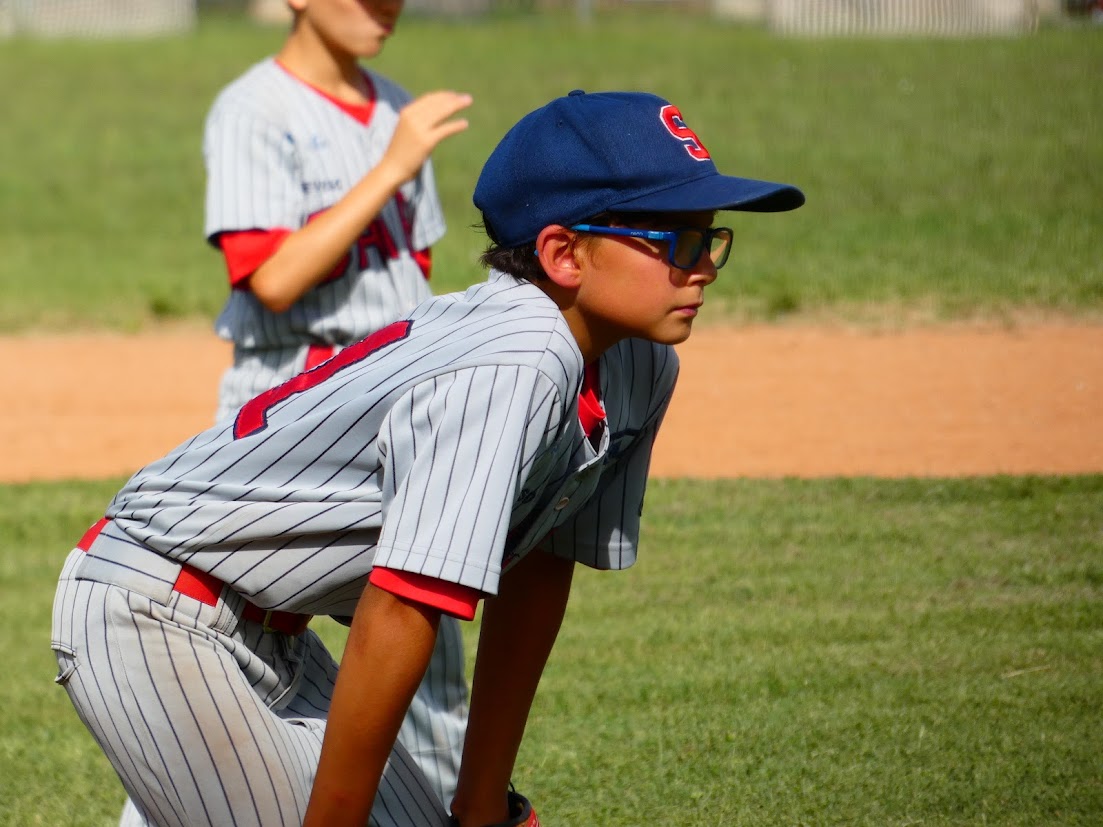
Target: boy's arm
(388,648)
(308,255)
(519,627)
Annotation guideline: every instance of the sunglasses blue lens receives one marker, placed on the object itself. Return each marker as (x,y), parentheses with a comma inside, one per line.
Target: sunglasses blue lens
(690,243)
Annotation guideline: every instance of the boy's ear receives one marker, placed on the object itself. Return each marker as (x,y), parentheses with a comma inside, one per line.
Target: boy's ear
(558,255)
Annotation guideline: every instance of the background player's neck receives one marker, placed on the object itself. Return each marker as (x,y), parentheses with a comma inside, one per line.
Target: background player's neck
(336,74)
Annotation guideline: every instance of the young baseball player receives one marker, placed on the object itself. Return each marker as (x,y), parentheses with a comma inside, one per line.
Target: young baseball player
(321,197)
(477,449)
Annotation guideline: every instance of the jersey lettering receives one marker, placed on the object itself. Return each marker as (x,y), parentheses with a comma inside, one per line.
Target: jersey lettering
(676,126)
(253,416)
(376,236)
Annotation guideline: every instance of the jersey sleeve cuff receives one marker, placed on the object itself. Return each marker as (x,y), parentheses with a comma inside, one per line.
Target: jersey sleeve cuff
(451,598)
(246,250)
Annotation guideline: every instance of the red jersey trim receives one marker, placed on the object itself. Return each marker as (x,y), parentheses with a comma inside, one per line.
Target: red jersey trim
(424,259)
(451,598)
(360,111)
(246,250)
(92,533)
(590,412)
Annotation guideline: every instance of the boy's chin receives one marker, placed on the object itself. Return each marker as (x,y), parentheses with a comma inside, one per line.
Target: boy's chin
(673,335)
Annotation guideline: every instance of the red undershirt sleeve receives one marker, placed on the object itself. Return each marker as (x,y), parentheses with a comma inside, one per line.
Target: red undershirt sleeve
(424,259)
(451,598)
(246,250)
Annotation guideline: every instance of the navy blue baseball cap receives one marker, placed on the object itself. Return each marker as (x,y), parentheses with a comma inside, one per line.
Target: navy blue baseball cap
(587,153)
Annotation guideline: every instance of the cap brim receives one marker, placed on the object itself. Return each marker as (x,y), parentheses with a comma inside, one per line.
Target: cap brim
(718,192)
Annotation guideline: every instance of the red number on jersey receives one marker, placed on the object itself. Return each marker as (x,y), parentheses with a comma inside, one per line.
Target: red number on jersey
(253,417)
(672,120)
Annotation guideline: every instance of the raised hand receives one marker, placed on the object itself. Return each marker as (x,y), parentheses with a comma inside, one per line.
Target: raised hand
(422,124)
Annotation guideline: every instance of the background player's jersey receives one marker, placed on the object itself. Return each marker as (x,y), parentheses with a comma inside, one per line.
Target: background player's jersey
(279,152)
(446,445)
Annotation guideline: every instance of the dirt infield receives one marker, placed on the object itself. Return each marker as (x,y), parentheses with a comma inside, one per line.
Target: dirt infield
(757,402)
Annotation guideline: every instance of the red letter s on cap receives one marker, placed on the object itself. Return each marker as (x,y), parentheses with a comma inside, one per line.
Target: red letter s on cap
(672,120)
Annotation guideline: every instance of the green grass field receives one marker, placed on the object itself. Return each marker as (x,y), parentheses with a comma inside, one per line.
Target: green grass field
(836,652)
(945,179)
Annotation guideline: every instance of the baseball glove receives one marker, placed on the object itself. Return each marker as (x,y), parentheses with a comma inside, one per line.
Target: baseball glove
(521,813)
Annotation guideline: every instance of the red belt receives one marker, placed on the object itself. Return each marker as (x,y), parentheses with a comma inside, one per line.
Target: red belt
(206,588)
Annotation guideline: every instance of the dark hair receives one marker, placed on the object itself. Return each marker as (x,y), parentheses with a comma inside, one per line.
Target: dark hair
(521,261)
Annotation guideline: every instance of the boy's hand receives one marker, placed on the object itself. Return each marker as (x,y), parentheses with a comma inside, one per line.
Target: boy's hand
(422,124)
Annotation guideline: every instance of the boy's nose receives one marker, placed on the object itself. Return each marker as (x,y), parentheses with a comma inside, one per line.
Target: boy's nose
(704,272)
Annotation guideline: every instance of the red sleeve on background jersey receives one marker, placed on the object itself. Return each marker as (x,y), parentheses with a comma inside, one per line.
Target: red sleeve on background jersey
(247,250)
(424,259)
(451,598)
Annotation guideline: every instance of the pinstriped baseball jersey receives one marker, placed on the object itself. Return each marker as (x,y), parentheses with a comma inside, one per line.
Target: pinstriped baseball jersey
(278,153)
(447,445)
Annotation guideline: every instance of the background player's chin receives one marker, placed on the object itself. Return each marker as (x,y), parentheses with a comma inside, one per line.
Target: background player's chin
(370,44)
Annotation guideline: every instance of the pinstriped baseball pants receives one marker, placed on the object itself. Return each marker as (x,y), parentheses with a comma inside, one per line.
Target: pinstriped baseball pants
(207,718)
